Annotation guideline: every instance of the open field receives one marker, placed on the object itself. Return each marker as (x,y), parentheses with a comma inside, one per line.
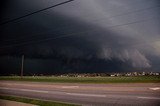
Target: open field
(138,79)
(34,101)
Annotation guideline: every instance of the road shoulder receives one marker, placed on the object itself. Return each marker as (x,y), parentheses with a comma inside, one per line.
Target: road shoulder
(13,103)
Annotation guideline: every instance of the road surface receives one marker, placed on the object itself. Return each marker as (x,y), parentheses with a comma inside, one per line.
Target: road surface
(134,94)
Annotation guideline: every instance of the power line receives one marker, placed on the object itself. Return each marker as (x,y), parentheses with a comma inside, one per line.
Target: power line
(72,34)
(129,12)
(38,11)
(93,30)
(97,20)
(118,15)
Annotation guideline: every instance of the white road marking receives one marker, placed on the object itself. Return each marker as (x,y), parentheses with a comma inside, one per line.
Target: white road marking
(91,95)
(148,98)
(157,88)
(16,84)
(7,84)
(30,90)
(70,86)
(39,91)
(65,93)
(27,90)
(53,92)
(4,88)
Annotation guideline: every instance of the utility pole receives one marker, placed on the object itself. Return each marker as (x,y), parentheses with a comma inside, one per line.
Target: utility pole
(22,66)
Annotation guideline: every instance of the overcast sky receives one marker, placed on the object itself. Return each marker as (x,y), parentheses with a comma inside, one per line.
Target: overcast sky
(100,32)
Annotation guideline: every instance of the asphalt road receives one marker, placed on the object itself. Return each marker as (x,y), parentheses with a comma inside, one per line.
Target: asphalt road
(137,94)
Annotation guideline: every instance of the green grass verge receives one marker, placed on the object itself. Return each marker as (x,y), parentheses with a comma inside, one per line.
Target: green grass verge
(138,79)
(34,101)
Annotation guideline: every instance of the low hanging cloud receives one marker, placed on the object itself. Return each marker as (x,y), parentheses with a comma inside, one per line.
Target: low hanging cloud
(136,58)
(87,29)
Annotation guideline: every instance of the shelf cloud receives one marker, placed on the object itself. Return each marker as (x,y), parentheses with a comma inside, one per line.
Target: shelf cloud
(106,30)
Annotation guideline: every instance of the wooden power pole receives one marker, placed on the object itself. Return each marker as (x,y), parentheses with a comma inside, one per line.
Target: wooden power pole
(22,66)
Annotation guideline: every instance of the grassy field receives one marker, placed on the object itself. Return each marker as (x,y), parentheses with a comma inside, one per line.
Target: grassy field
(34,101)
(138,79)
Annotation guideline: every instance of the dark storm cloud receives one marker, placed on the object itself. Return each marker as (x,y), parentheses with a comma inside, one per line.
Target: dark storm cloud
(86,29)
